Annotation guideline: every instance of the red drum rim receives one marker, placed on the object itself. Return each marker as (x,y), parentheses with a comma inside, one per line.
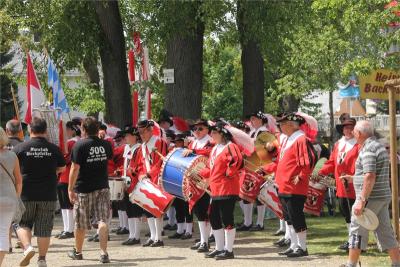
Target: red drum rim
(185,185)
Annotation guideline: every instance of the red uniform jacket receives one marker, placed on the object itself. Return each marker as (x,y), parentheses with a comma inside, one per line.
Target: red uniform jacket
(342,161)
(205,150)
(223,171)
(294,160)
(118,159)
(64,176)
(149,161)
(133,169)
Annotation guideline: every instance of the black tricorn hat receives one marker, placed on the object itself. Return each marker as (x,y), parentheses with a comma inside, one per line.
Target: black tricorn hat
(349,121)
(145,124)
(290,117)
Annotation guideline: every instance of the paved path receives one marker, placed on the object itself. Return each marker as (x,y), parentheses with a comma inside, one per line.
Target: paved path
(250,251)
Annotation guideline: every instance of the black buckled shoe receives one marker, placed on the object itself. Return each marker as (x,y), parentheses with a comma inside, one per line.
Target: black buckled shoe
(148,243)
(66,235)
(211,239)
(123,231)
(131,242)
(213,253)
(226,255)
(176,236)
(257,228)
(279,232)
(92,238)
(196,245)
(285,252)
(158,243)
(298,252)
(281,242)
(244,228)
(186,236)
(203,248)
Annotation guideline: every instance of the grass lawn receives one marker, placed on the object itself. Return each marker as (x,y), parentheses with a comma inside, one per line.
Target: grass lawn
(325,234)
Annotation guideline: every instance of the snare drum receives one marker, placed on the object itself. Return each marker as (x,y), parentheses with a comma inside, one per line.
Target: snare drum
(250,184)
(117,188)
(269,197)
(176,176)
(150,197)
(315,198)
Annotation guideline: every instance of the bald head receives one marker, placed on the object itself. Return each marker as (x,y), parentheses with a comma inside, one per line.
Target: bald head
(13,127)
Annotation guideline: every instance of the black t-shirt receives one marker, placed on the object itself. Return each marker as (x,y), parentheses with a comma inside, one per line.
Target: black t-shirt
(92,155)
(39,160)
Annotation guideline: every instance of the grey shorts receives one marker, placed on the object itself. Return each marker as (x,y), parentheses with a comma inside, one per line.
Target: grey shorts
(384,233)
(92,207)
(39,216)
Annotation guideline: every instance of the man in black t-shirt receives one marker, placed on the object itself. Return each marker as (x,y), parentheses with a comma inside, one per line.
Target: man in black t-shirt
(40,162)
(88,187)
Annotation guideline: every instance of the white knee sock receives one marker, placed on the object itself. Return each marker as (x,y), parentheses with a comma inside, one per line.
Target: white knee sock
(132,230)
(120,219)
(302,240)
(219,239)
(181,228)
(138,226)
(229,239)
(203,232)
(287,231)
(159,228)
(260,215)
(282,225)
(248,214)
(65,219)
(71,221)
(152,226)
(125,220)
(171,216)
(189,228)
(293,238)
(348,228)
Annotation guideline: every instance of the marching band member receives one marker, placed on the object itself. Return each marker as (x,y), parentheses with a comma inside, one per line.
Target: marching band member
(149,167)
(223,176)
(183,217)
(292,176)
(202,145)
(258,121)
(342,162)
(73,134)
(134,212)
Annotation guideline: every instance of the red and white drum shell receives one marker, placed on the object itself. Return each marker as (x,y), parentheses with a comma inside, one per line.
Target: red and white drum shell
(250,185)
(269,197)
(315,198)
(150,197)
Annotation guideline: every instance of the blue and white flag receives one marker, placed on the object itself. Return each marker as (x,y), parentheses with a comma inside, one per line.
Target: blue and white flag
(349,90)
(59,100)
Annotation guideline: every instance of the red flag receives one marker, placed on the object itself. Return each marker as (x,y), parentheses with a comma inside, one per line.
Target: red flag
(131,66)
(135,107)
(34,94)
(61,136)
(136,43)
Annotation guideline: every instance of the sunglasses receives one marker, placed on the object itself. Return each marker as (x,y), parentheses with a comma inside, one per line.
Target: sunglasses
(198,129)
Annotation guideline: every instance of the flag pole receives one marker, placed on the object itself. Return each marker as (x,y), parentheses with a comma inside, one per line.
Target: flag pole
(20,133)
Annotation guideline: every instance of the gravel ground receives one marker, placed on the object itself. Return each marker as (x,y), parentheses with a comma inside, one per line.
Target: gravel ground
(249,251)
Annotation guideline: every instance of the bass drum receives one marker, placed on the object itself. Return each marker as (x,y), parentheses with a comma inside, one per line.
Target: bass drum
(261,156)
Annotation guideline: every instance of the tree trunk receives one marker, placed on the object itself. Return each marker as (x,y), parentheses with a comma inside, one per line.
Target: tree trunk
(185,56)
(252,63)
(114,64)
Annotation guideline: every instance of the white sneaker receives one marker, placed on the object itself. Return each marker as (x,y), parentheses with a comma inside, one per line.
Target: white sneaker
(41,263)
(28,254)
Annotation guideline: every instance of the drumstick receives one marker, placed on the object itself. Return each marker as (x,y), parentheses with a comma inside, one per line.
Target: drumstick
(154,149)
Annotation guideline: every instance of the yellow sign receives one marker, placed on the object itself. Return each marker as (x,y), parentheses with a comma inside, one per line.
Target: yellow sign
(372,86)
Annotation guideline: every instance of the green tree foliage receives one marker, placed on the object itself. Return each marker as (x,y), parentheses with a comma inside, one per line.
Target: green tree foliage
(7,110)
